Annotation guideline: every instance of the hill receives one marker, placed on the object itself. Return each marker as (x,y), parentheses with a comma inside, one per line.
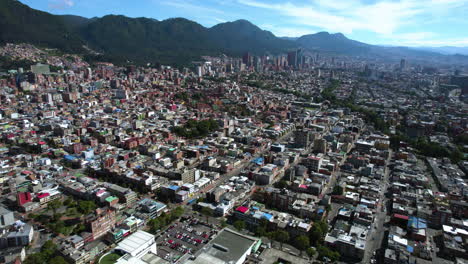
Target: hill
(176,41)
(241,36)
(336,43)
(19,23)
(146,40)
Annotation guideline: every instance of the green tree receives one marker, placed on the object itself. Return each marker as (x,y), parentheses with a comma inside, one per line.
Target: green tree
(337,190)
(239,225)
(86,207)
(281,236)
(36,258)
(223,223)
(207,212)
(302,243)
(325,252)
(58,260)
(456,155)
(260,231)
(155,225)
(54,205)
(310,252)
(177,212)
(318,232)
(281,184)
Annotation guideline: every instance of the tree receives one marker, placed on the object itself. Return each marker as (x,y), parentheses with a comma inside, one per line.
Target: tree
(281,184)
(155,225)
(325,252)
(302,243)
(317,232)
(223,223)
(337,190)
(54,205)
(58,260)
(260,231)
(310,252)
(36,258)
(177,212)
(86,207)
(239,225)
(281,236)
(207,212)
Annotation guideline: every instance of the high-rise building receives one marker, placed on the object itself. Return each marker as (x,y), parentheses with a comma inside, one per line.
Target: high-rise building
(402,64)
(461,81)
(292,58)
(247,59)
(302,138)
(296,58)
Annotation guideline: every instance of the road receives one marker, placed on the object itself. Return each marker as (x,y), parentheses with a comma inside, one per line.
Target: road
(378,229)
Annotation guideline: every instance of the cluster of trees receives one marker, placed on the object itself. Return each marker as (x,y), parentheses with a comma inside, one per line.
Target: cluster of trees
(426,148)
(6,63)
(239,225)
(317,236)
(165,219)
(303,243)
(74,209)
(47,255)
(328,93)
(370,116)
(337,190)
(196,129)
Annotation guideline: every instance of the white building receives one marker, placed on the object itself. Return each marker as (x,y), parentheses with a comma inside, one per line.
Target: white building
(136,246)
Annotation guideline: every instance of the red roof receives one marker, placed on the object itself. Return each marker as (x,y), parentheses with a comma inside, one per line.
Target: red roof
(42,195)
(404,217)
(303,186)
(242,209)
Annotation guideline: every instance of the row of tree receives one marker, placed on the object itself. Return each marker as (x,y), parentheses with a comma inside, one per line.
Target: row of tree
(165,219)
(47,255)
(315,238)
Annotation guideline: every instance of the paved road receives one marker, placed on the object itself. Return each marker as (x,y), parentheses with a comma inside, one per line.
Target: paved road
(374,241)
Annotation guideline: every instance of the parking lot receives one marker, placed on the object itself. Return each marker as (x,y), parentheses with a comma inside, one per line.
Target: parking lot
(182,238)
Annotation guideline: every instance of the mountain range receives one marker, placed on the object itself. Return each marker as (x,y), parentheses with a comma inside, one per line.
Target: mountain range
(175,41)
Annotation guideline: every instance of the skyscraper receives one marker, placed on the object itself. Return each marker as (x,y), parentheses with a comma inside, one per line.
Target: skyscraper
(402,64)
(247,59)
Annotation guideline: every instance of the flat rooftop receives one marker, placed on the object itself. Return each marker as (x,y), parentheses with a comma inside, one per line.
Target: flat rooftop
(135,241)
(228,247)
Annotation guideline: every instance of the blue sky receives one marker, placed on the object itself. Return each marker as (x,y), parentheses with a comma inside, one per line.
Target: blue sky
(392,22)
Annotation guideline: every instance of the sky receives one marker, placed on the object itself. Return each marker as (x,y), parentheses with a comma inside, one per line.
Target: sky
(384,22)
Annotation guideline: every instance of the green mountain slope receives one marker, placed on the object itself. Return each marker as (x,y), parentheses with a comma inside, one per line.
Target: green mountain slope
(19,23)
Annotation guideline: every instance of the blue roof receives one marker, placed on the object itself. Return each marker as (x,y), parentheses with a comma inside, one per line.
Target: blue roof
(319,211)
(417,223)
(410,249)
(255,208)
(267,216)
(258,160)
(69,157)
(174,187)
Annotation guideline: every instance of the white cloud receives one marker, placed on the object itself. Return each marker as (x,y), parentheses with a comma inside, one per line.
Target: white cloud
(281,31)
(60,4)
(190,6)
(382,17)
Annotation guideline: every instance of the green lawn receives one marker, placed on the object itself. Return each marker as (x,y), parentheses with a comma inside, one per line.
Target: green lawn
(109,259)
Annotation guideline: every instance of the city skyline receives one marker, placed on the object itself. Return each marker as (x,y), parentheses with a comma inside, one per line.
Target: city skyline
(431,23)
